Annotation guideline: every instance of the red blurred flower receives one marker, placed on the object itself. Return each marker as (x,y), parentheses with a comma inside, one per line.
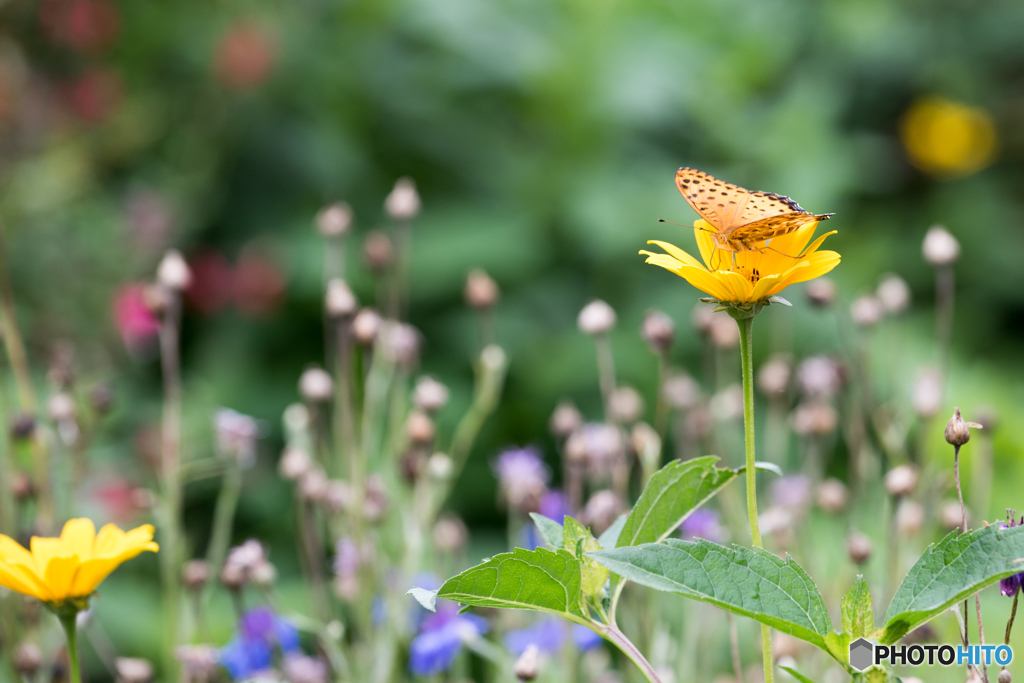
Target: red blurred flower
(134,319)
(244,56)
(212,283)
(259,283)
(85,25)
(121,499)
(95,94)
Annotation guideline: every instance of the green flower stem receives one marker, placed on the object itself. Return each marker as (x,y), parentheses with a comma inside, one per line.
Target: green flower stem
(747,360)
(223,522)
(68,619)
(617,638)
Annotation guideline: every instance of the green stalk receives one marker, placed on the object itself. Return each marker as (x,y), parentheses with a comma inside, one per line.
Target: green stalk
(617,638)
(747,361)
(68,620)
(223,521)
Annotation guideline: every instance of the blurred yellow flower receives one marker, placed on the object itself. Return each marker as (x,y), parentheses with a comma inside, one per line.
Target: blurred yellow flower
(747,277)
(946,138)
(72,566)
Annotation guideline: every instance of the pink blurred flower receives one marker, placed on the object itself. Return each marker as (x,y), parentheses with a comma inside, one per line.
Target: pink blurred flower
(120,499)
(259,283)
(94,95)
(134,319)
(212,282)
(85,25)
(244,56)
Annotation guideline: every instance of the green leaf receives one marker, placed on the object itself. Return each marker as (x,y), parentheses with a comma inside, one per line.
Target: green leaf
(676,490)
(950,571)
(751,583)
(763,467)
(796,674)
(610,537)
(426,598)
(579,540)
(858,618)
(550,530)
(539,579)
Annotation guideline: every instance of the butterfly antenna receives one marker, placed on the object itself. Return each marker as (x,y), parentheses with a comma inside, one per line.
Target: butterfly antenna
(681,225)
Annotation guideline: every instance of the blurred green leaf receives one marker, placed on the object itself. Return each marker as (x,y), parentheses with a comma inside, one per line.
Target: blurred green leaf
(550,530)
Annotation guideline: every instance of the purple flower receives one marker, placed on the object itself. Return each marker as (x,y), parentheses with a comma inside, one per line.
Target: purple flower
(242,657)
(584,639)
(703,523)
(523,477)
(554,505)
(1011,584)
(793,491)
(441,638)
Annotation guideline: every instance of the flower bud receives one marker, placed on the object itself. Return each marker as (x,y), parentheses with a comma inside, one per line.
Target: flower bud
(909,517)
(401,343)
(334,220)
(339,301)
(832,496)
(773,376)
(821,292)
(296,419)
(313,485)
(173,273)
(940,248)
(316,385)
(450,533)
(420,428)
(294,463)
(375,504)
(263,575)
(894,294)
(22,487)
(440,466)
(366,326)
(814,418)
(378,252)
(337,496)
(626,405)
(133,670)
(596,318)
(61,407)
(723,331)
(404,201)
(195,574)
(27,659)
(600,511)
(101,398)
(819,376)
(1005,677)
(958,432)
(901,480)
(866,311)
(565,420)
(658,330)
(858,547)
(927,398)
(526,666)
(681,391)
(951,515)
(481,291)
(430,395)
(23,426)
(701,317)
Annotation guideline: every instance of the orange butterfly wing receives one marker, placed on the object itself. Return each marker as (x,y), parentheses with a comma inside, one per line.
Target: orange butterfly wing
(742,217)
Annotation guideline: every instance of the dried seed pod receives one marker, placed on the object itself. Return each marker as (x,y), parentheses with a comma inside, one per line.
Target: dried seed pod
(940,248)
(173,273)
(481,292)
(859,548)
(334,219)
(316,385)
(596,318)
(658,330)
(404,201)
(195,574)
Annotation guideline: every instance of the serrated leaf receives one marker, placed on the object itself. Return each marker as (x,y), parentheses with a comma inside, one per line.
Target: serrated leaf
(426,598)
(950,571)
(858,618)
(610,537)
(539,579)
(796,674)
(751,583)
(550,530)
(578,540)
(676,490)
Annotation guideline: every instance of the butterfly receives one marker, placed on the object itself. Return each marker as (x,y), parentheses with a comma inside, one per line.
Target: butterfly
(743,220)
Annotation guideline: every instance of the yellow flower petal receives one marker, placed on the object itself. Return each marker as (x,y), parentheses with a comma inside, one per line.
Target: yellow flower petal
(739,286)
(706,282)
(702,230)
(78,537)
(676,252)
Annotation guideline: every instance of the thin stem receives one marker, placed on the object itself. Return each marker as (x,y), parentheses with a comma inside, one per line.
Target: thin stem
(734,642)
(661,406)
(170,466)
(223,521)
(747,362)
(613,635)
(1009,622)
(981,637)
(963,526)
(605,371)
(69,621)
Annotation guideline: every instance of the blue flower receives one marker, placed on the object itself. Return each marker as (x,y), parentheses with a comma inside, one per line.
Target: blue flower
(440,639)
(548,635)
(260,630)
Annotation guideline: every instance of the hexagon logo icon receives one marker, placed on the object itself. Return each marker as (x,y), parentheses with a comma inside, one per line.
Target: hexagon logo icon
(862,654)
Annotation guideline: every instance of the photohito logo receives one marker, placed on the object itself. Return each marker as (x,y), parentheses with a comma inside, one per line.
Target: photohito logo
(864,654)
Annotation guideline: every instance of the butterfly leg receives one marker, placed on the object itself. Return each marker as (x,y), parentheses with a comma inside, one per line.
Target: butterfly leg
(768,246)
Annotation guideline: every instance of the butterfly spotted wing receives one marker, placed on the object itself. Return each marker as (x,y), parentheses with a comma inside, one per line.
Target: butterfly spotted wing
(742,217)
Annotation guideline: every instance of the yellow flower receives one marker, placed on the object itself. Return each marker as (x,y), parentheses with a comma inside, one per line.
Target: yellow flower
(748,276)
(72,566)
(946,138)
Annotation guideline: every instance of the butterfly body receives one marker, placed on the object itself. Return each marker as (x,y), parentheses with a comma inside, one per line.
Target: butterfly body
(742,220)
